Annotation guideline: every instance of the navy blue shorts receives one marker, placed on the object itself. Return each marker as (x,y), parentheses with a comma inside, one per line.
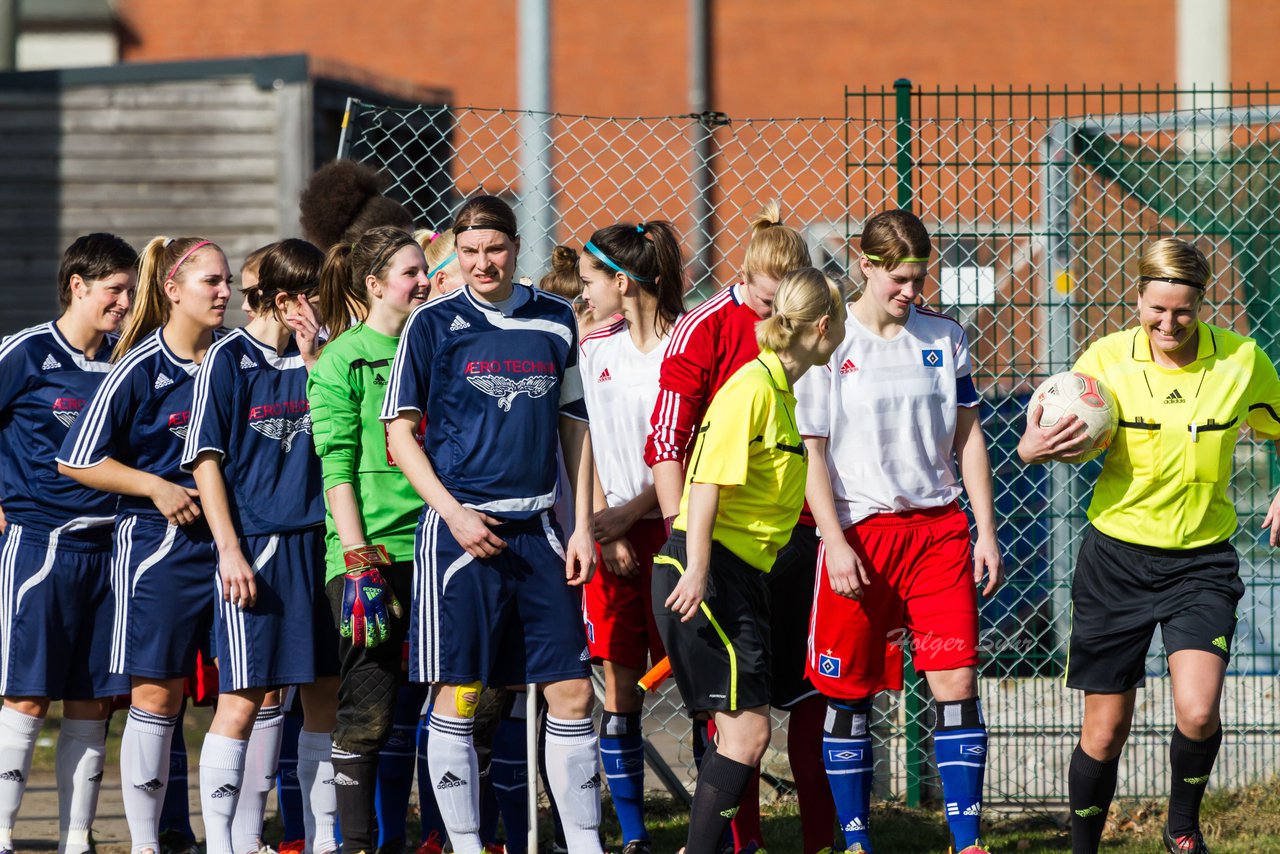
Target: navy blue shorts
(288,636)
(55,616)
(505,620)
(162,576)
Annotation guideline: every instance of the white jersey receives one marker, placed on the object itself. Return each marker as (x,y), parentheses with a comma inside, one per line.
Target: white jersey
(620,385)
(888,410)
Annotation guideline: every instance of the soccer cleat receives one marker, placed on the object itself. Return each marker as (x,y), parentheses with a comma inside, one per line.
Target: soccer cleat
(433,844)
(176,842)
(975,848)
(637,846)
(1190,843)
(495,848)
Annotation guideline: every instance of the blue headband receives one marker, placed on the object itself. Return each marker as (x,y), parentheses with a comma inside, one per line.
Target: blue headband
(445,263)
(604,259)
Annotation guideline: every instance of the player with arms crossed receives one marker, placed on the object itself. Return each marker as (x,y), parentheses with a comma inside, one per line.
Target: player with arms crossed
(493,367)
(129,441)
(707,346)
(55,547)
(1185,389)
(635,271)
(888,422)
(744,494)
(249,448)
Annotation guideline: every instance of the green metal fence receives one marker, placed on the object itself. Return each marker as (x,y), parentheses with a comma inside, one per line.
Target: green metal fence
(1039,201)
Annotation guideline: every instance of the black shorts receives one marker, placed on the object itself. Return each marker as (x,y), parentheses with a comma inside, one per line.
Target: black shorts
(721,658)
(790,604)
(1122,591)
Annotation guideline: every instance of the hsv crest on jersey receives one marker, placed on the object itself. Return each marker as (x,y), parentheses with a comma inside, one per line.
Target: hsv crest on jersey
(162,381)
(458,323)
(50,363)
(848,368)
(829,665)
(283,430)
(246,362)
(932,358)
(506,390)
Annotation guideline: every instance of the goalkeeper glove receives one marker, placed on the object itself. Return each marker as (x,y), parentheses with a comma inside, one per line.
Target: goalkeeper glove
(367,600)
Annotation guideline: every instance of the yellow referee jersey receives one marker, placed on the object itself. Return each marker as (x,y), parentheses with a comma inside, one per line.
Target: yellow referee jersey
(1164,479)
(750,446)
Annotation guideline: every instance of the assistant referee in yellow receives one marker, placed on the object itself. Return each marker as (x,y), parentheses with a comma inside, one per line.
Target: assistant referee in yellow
(1157,550)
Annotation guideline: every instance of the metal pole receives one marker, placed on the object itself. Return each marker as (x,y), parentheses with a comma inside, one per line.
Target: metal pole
(702,177)
(531,761)
(346,121)
(9,28)
(536,212)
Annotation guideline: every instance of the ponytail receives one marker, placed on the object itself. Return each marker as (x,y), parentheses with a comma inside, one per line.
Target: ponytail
(649,254)
(774,249)
(344,295)
(160,261)
(804,297)
(562,279)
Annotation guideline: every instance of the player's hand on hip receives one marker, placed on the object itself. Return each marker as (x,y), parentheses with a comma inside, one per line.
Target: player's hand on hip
(610,524)
(620,558)
(176,503)
(472,530)
(688,594)
(579,558)
(846,573)
(987,563)
(239,586)
(1066,438)
(368,602)
(1272,520)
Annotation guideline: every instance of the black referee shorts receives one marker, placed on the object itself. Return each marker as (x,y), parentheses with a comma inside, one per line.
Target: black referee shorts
(1120,593)
(721,658)
(790,585)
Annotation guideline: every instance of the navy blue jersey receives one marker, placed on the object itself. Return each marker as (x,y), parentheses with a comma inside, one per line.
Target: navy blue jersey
(493,387)
(250,406)
(44,383)
(138,417)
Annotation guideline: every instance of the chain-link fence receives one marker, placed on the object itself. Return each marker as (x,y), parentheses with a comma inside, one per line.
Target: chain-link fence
(1038,202)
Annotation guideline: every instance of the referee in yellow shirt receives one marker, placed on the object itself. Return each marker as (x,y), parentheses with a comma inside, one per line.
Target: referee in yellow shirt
(742,497)
(1157,551)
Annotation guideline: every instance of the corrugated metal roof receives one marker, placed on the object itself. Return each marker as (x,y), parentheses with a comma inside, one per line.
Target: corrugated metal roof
(66,11)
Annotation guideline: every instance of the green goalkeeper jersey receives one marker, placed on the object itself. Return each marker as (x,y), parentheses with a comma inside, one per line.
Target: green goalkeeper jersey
(345,390)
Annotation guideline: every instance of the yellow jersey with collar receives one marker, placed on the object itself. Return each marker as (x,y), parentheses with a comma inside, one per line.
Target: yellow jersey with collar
(1164,479)
(750,446)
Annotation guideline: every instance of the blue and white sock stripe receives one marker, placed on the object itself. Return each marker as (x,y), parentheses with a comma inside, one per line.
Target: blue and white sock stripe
(97,414)
(456,727)
(121,556)
(8,572)
(574,730)
(145,718)
(266,714)
(338,753)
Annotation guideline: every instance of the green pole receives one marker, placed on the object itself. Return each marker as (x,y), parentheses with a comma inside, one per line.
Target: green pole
(912,698)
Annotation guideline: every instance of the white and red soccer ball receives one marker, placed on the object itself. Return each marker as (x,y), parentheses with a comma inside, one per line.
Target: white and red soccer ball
(1072,393)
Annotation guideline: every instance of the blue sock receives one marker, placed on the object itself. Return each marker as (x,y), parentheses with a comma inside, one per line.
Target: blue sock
(175,812)
(432,821)
(622,753)
(396,760)
(508,774)
(288,793)
(960,746)
(850,764)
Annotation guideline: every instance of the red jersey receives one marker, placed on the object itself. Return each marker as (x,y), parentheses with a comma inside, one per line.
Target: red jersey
(707,345)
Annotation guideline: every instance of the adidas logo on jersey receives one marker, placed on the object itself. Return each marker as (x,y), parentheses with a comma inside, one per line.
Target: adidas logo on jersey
(162,381)
(973,809)
(848,368)
(246,362)
(1174,397)
(378,379)
(152,785)
(50,363)
(604,376)
(458,323)
(341,779)
(14,776)
(225,791)
(855,824)
(593,783)
(450,781)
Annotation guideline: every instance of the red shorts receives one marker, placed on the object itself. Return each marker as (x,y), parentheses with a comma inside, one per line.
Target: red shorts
(922,593)
(618,612)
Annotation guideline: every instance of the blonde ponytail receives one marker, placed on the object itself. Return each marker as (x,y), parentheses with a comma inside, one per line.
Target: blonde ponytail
(160,260)
(804,297)
(774,249)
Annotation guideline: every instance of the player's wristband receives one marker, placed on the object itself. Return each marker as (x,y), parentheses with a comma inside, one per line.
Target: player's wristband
(668,522)
(361,557)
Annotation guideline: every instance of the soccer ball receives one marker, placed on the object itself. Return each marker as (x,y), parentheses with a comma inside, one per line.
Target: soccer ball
(1071,393)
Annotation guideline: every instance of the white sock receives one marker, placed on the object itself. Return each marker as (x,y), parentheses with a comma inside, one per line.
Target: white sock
(221,774)
(17,742)
(260,760)
(319,797)
(82,750)
(573,770)
(144,774)
(455,778)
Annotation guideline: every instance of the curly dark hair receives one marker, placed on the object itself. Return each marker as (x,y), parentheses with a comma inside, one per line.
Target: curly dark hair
(343,200)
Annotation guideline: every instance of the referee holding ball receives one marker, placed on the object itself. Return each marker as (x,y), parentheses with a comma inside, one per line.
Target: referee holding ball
(1157,551)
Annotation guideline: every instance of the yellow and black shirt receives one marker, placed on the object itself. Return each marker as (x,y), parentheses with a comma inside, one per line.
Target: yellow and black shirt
(1164,480)
(750,446)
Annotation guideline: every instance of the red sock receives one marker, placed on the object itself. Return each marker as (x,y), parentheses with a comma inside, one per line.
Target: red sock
(746,824)
(804,748)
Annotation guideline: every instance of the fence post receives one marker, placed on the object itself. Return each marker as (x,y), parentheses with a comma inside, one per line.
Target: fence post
(912,701)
